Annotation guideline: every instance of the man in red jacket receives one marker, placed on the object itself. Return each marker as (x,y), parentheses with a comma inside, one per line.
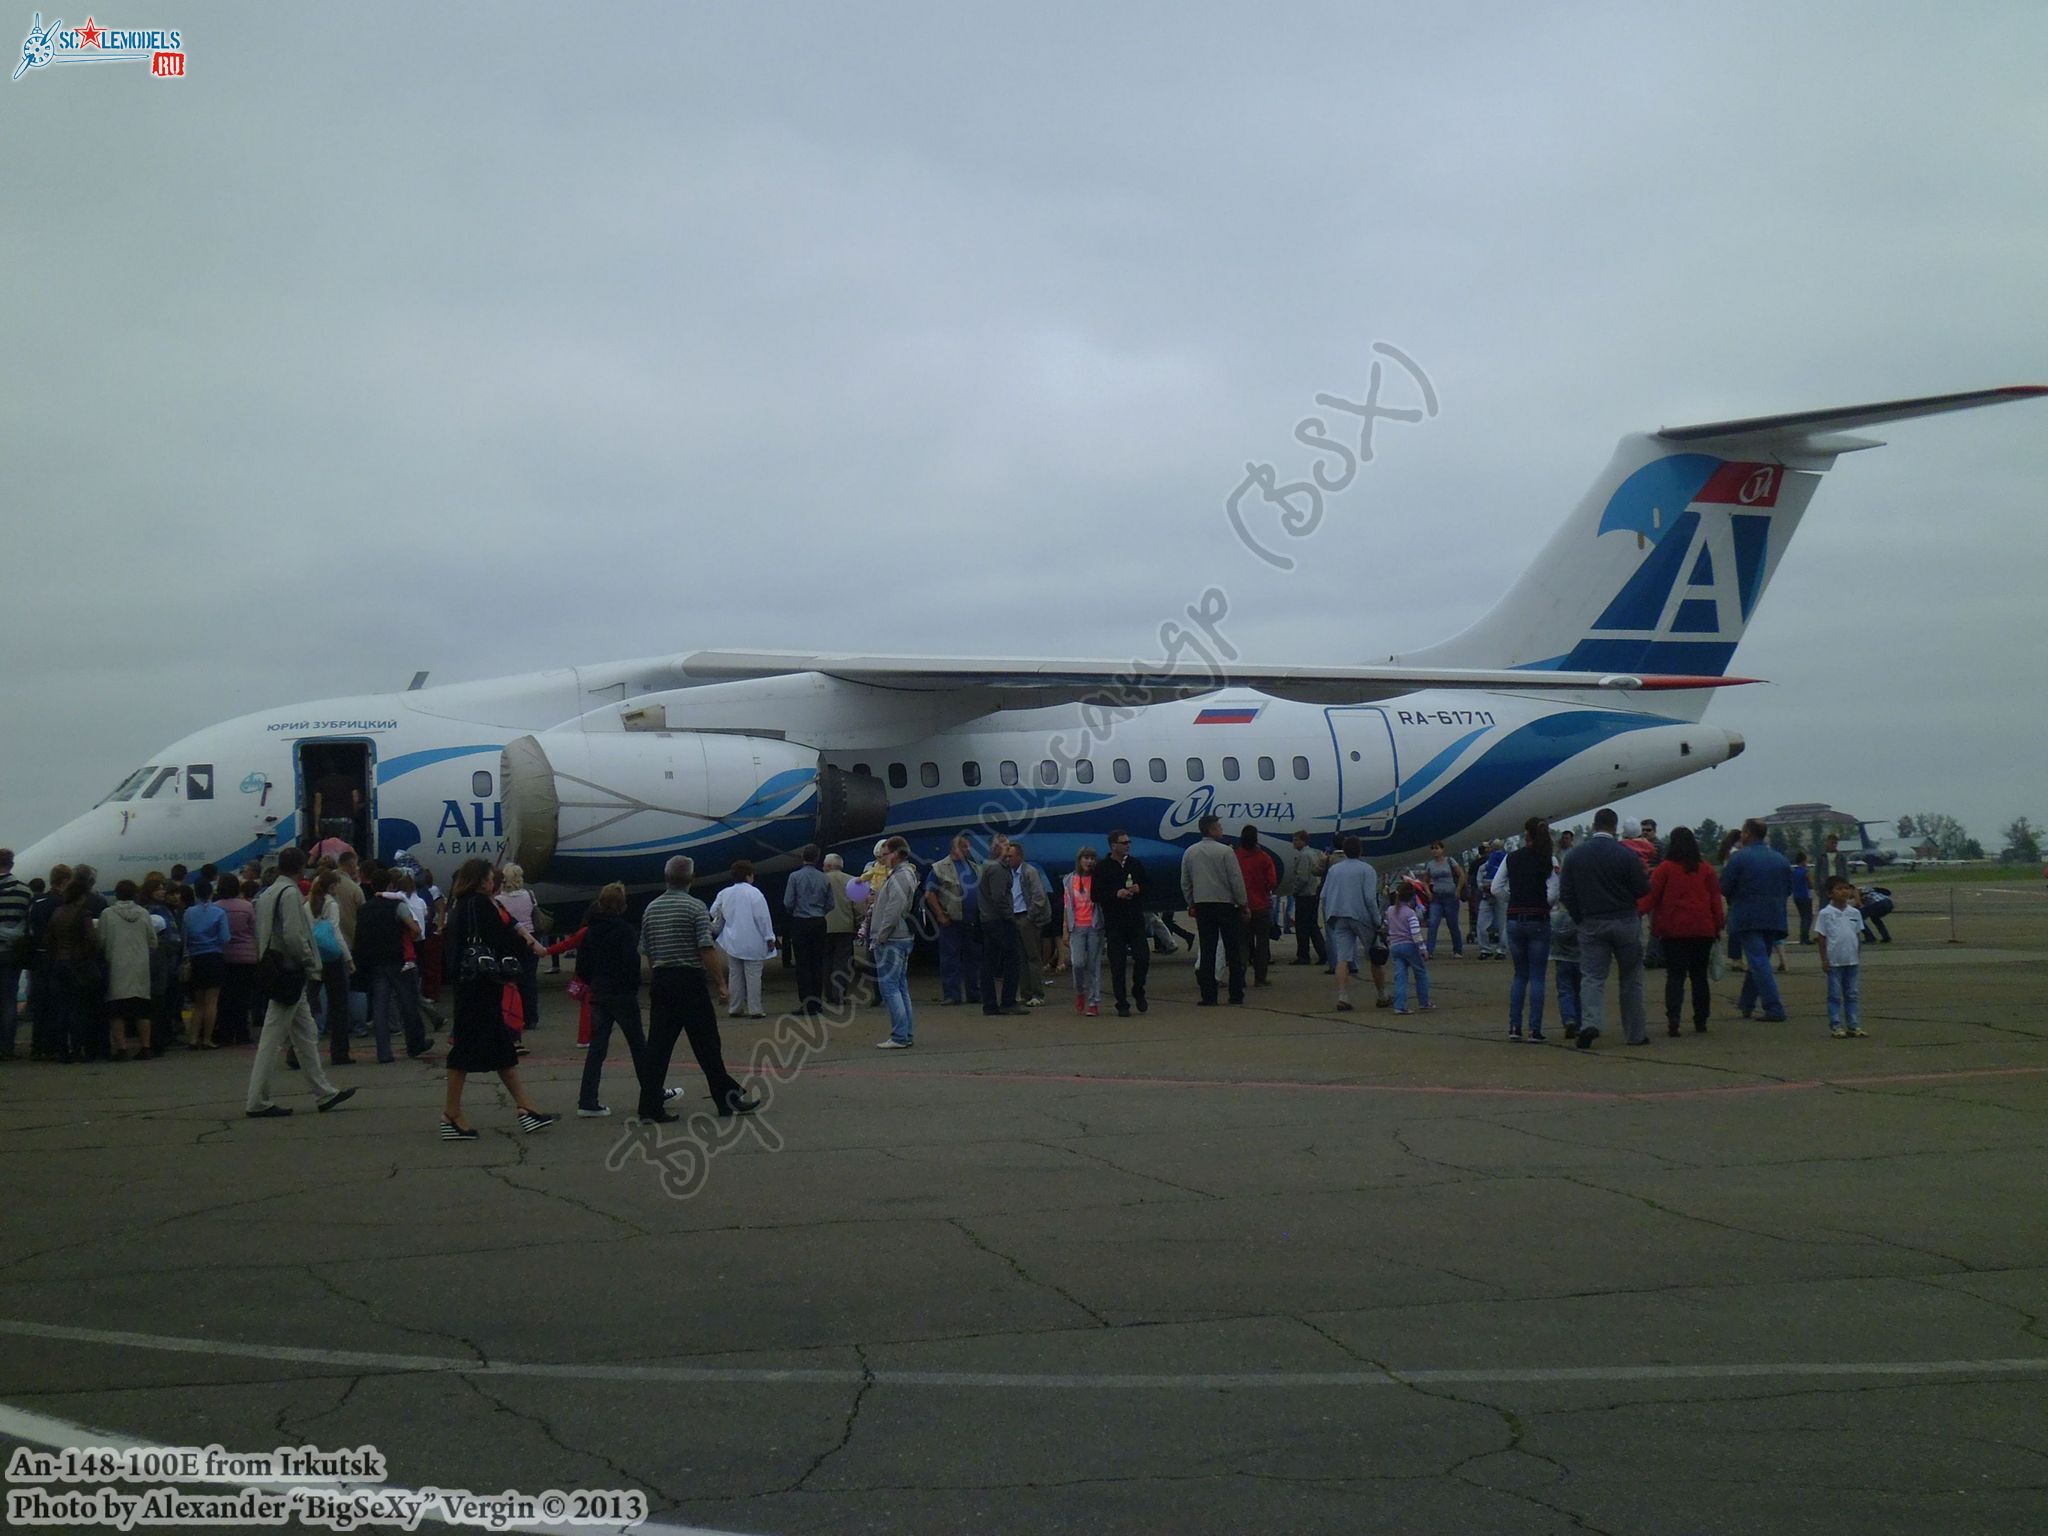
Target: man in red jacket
(1261,879)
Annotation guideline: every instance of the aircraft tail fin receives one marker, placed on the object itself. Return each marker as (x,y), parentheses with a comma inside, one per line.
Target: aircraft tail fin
(1662,564)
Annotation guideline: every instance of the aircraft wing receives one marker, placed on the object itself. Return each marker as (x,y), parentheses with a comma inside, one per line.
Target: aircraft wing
(1033,682)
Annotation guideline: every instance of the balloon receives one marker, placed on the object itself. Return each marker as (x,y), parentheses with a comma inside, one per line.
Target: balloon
(857,891)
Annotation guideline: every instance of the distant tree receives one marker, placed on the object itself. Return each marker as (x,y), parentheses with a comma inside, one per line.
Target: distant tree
(1779,841)
(1708,831)
(1905,826)
(2022,843)
(1946,833)
(1970,849)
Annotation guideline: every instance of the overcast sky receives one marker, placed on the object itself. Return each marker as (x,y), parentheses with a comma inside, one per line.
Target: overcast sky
(482,339)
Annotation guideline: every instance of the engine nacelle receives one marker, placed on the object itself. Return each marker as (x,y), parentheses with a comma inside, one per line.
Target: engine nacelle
(586,807)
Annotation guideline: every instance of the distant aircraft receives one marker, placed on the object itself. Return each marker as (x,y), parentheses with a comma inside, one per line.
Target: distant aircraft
(1879,853)
(1586,683)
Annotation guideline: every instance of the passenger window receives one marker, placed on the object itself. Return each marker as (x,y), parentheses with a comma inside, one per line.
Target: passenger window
(970,774)
(159,782)
(1195,770)
(864,770)
(928,775)
(480,784)
(1265,768)
(1157,769)
(1048,772)
(1120,770)
(1301,767)
(1230,768)
(1006,771)
(1084,772)
(898,775)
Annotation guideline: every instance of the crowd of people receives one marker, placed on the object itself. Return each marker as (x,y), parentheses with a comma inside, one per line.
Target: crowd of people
(350,952)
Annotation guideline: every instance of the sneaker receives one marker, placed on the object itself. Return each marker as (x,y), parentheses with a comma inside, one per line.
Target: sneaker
(1344,1005)
(1585,1039)
(893,1044)
(1837,1032)
(1094,1010)
(592,1111)
(1401,1011)
(1514,1034)
(338,1097)
(532,1120)
(1080,1003)
(1383,1002)
(1857,1034)
(1034,1002)
(670,1095)
(1538,1038)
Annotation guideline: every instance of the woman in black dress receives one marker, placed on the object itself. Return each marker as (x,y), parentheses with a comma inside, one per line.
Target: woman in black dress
(482,1042)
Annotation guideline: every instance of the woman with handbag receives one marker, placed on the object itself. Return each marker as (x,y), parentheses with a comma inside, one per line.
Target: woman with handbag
(486,948)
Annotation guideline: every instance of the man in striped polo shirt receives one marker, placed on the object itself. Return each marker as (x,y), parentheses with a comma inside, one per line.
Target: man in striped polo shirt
(14,905)
(675,936)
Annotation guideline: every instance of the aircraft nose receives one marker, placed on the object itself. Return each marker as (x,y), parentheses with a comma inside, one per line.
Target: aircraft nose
(1735,745)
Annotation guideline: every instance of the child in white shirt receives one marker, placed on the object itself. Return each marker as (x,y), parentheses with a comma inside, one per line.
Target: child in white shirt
(1839,932)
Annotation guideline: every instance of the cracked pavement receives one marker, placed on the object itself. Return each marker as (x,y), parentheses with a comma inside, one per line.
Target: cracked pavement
(969,1291)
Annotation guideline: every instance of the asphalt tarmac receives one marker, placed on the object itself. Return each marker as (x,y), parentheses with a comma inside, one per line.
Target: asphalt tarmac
(1201,1270)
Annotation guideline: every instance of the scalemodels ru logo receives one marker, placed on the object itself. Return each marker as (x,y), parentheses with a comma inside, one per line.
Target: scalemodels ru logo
(163,49)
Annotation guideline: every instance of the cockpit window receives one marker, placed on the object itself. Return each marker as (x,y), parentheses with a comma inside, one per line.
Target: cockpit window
(163,777)
(125,790)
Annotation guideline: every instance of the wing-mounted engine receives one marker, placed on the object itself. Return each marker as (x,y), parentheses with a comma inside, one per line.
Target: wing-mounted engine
(583,808)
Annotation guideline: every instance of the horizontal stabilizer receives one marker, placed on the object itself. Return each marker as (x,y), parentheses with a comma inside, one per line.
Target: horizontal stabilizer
(1798,424)
(1031,683)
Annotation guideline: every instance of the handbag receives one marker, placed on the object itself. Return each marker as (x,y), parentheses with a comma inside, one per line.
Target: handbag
(578,988)
(281,980)
(480,962)
(1717,962)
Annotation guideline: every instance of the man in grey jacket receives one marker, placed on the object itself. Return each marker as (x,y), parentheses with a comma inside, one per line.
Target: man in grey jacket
(1212,884)
(889,935)
(1600,884)
(282,924)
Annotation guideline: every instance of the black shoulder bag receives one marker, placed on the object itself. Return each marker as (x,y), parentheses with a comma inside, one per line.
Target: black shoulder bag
(283,980)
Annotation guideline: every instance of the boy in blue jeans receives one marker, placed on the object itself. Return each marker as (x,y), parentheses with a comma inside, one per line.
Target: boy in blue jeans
(1839,932)
(1564,958)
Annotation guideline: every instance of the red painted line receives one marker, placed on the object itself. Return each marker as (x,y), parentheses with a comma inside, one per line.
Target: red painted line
(1106,1080)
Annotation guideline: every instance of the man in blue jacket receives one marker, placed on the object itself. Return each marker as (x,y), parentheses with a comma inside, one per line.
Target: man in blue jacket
(1757,884)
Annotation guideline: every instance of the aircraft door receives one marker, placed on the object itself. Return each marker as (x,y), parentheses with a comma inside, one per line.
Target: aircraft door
(1368,774)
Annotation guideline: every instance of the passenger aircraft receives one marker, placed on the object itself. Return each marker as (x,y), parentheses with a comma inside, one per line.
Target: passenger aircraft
(1586,683)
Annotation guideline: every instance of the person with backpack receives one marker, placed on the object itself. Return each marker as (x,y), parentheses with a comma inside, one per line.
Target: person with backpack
(385,929)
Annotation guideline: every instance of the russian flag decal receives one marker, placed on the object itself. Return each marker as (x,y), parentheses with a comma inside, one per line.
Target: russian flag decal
(1233,715)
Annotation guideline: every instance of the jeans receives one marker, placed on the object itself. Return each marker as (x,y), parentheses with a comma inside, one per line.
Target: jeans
(10,988)
(892,978)
(1685,958)
(394,998)
(1759,986)
(607,1009)
(1128,944)
(959,963)
(808,943)
(1259,941)
(1529,943)
(1002,965)
(1308,929)
(1616,939)
(1845,997)
(1568,995)
(1408,959)
(1444,909)
(1492,919)
(1220,921)
(1084,958)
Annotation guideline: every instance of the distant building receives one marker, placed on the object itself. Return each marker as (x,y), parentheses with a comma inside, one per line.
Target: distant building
(1812,813)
